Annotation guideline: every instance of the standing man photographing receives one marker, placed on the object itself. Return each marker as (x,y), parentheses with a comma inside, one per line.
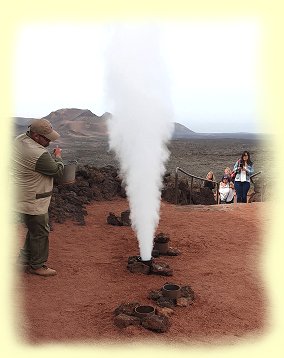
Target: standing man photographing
(33,170)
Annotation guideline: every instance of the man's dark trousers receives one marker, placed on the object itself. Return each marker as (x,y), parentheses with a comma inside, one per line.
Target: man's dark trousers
(36,247)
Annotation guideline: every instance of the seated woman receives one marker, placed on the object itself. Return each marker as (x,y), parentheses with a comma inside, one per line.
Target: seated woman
(226,190)
(228,172)
(209,182)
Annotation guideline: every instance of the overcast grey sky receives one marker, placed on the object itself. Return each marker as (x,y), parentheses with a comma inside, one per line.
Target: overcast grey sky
(213,70)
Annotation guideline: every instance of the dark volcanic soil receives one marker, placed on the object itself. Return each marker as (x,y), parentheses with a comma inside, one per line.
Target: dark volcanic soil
(195,156)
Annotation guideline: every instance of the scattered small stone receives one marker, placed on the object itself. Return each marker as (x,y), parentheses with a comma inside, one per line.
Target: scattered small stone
(126,308)
(182,302)
(139,267)
(122,220)
(112,219)
(165,311)
(186,291)
(166,302)
(125,317)
(135,265)
(125,218)
(173,252)
(155,295)
(156,323)
(161,268)
(123,320)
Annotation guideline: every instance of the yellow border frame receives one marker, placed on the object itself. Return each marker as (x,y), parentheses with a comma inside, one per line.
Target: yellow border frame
(15,13)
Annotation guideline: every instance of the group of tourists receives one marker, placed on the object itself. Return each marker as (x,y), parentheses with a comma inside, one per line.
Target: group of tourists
(233,181)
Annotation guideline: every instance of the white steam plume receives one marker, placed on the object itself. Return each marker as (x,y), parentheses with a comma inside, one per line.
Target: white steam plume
(141,123)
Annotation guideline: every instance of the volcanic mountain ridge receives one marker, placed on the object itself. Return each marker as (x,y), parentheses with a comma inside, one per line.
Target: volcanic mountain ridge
(83,122)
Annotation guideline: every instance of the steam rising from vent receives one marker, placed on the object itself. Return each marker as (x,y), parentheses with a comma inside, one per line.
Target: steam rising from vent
(137,92)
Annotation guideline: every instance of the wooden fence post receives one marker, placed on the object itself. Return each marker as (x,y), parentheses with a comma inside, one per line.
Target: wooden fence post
(176,186)
(191,185)
(217,193)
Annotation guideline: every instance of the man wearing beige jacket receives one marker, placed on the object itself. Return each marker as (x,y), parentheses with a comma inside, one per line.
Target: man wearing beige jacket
(33,171)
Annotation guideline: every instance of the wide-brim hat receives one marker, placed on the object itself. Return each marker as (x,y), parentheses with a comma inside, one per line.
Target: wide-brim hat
(44,127)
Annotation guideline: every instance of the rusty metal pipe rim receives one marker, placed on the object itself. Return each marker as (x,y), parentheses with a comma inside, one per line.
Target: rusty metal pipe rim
(171,291)
(144,311)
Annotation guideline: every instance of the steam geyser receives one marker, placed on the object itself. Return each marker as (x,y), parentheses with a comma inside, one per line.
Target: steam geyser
(141,123)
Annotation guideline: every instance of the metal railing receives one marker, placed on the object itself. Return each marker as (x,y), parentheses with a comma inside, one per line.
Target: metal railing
(262,190)
(254,175)
(203,179)
(191,184)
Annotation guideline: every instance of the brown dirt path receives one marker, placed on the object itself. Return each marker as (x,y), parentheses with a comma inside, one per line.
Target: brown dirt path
(221,252)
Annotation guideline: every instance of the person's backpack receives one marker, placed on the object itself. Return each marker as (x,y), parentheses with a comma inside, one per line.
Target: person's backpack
(233,175)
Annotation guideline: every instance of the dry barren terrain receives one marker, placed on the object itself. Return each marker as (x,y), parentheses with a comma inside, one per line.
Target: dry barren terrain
(221,266)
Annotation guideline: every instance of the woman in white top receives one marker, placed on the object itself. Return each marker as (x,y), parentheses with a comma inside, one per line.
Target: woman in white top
(226,190)
(243,169)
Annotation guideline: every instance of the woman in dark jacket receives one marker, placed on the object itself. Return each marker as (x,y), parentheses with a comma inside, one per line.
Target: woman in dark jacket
(209,183)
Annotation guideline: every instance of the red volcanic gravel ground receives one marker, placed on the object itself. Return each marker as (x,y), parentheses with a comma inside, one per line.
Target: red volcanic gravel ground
(220,260)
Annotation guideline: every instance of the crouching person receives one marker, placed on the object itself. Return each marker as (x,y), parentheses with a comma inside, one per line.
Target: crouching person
(33,171)
(226,190)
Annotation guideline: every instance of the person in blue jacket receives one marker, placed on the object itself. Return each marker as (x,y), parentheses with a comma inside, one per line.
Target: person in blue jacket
(243,170)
